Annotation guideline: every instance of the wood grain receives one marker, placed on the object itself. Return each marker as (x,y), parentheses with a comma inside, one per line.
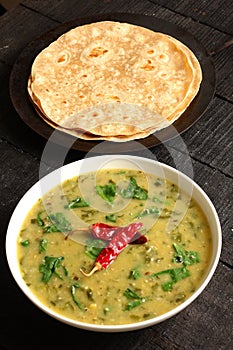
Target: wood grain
(210,139)
(15,36)
(217,14)
(203,152)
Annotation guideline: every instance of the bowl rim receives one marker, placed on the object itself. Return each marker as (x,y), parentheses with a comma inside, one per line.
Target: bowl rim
(12,235)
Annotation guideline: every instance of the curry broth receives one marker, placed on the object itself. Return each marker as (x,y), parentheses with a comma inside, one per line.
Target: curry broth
(129,289)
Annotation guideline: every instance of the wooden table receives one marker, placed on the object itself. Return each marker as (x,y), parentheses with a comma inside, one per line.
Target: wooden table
(207,322)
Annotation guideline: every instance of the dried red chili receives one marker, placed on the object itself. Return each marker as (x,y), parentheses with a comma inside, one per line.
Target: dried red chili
(120,240)
(106,233)
(138,239)
(103,231)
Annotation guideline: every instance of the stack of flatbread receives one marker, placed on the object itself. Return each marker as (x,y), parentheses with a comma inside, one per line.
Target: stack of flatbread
(113,81)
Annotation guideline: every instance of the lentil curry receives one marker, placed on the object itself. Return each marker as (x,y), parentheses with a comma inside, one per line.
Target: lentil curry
(156,262)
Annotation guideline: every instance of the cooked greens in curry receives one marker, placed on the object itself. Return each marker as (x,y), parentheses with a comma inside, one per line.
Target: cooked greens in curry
(114,247)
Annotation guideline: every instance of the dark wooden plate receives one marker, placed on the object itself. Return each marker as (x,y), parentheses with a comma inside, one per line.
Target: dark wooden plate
(22,67)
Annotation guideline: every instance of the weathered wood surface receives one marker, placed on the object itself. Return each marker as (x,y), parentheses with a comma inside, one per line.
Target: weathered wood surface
(203,152)
(217,14)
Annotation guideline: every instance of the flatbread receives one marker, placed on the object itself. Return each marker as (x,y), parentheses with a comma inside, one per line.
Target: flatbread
(111,80)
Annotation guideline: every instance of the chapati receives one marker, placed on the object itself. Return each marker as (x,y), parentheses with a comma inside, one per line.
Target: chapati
(113,80)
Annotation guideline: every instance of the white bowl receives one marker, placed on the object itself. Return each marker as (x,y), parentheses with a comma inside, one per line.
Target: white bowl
(93,164)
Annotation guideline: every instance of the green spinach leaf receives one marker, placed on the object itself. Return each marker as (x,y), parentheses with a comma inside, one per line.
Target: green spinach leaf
(73,293)
(111,217)
(50,267)
(43,245)
(135,299)
(132,304)
(134,274)
(54,223)
(184,256)
(149,211)
(129,293)
(93,247)
(107,192)
(176,275)
(39,221)
(25,243)
(78,202)
(134,191)
(60,223)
